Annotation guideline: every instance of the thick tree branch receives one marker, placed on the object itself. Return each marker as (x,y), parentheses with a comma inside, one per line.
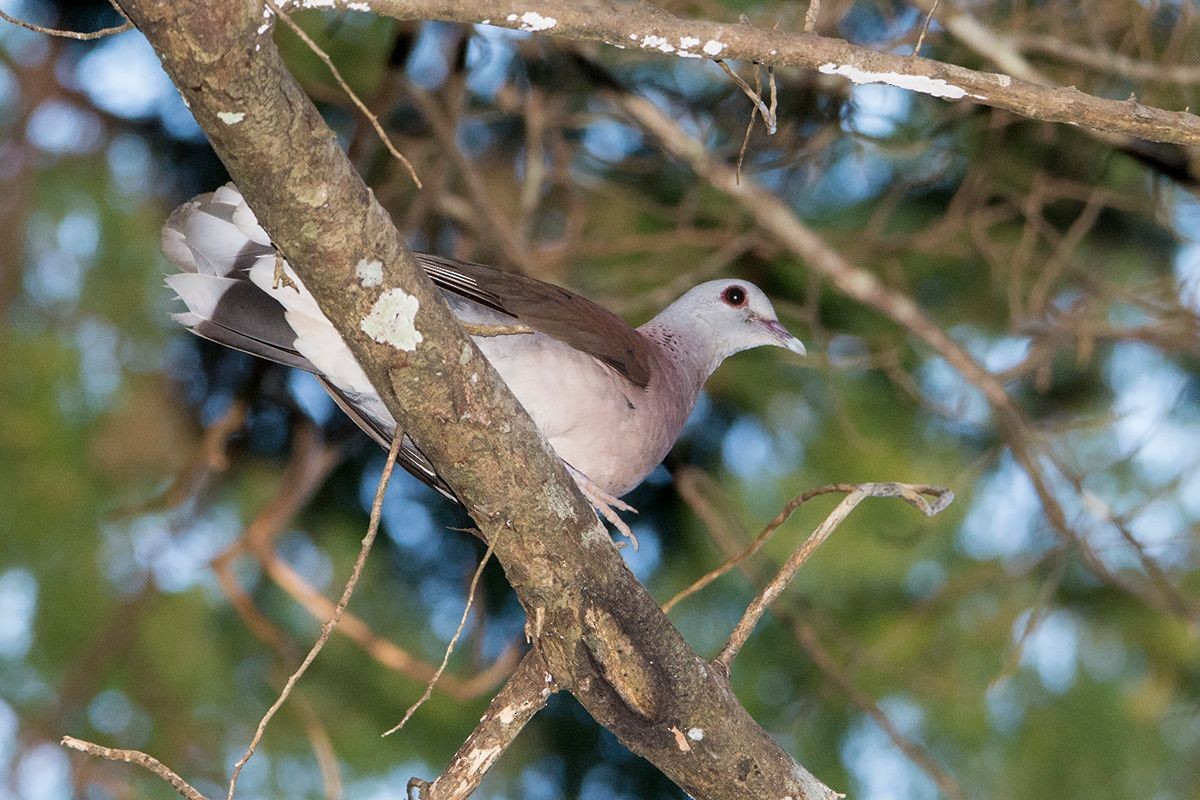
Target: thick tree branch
(603,636)
(644,26)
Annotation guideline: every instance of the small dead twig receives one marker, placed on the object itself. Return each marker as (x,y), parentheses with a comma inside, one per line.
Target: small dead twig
(726,533)
(925,28)
(481,329)
(755,95)
(137,758)
(810,16)
(354,98)
(784,514)
(462,622)
(83,37)
(328,627)
(913,494)
(759,109)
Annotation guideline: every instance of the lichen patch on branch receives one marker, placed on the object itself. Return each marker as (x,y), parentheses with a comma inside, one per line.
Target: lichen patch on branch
(917,83)
(370,273)
(533,21)
(392,320)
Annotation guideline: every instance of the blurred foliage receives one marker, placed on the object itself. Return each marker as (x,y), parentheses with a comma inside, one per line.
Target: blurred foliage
(981,637)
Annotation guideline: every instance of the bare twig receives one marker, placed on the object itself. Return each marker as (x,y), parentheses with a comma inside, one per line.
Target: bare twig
(810,16)
(462,623)
(784,514)
(137,758)
(328,627)
(354,98)
(925,28)
(481,329)
(909,493)
(724,530)
(84,37)
(755,95)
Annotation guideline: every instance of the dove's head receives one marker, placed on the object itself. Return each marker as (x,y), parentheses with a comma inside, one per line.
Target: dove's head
(732,315)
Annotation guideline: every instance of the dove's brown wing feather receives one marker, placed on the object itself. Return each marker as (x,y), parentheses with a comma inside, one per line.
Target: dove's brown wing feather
(570,318)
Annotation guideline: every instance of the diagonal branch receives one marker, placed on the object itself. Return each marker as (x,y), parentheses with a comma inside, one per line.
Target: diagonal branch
(602,636)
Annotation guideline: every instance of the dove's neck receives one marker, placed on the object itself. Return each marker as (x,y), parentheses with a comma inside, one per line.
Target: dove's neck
(686,351)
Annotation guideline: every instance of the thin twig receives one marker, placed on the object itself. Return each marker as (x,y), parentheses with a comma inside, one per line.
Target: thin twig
(784,514)
(910,493)
(328,627)
(755,97)
(137,758)
(482,329)
(746,138)
(810,16)
(462,622)
(83,37)
(925,28)
(1038,613)
(354,98)
(724,532)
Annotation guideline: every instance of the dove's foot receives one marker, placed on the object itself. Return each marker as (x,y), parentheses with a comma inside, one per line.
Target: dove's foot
(605,504)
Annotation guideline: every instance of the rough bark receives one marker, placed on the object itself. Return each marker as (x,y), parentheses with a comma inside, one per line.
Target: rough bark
(602,636)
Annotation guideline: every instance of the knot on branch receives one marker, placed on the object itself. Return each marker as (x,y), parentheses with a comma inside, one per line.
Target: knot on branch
(615,655)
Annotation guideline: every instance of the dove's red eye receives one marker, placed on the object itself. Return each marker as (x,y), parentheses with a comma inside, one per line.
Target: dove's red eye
(734,296)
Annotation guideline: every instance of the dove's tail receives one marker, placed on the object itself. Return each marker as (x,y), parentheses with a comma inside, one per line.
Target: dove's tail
(239,292)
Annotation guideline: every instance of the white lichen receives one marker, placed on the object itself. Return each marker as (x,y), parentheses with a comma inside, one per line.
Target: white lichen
(916,83)
(695,734)
(370,273)
(480,759)
(533,21)
(392,320)
(231,117)
(713,47)
(655,42)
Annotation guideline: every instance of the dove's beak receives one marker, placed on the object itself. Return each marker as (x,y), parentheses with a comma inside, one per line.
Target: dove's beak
(783,337)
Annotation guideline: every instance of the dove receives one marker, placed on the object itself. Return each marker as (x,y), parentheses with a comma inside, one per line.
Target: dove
(609,398)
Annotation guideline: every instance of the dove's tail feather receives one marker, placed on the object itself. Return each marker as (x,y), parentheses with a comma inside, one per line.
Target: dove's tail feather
(219,249)
(239,292)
